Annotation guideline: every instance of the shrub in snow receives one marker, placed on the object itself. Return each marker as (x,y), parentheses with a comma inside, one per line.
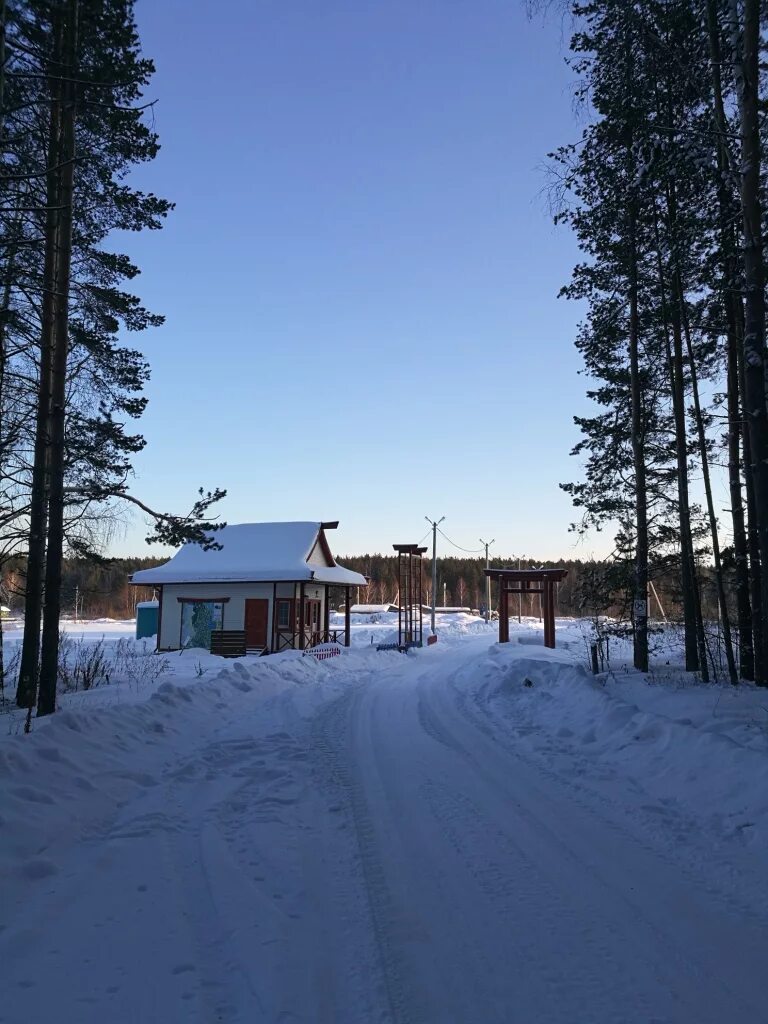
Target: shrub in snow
(136,664)
(85,664)
(9,671)
(82,666)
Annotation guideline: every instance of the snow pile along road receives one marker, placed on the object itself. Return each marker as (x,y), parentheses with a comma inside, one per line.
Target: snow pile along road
(469,833)
(697,750)
(83,763)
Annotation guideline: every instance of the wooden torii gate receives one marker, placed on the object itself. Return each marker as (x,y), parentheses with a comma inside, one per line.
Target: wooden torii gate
(546,578)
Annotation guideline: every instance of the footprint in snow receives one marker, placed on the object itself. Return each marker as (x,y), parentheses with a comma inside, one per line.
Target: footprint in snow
(38,868)
(33,795)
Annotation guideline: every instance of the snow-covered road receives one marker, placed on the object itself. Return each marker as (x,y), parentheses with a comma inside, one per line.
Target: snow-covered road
(386,846)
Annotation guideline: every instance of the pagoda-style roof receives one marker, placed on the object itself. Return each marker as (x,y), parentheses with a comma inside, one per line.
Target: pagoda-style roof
(256,552)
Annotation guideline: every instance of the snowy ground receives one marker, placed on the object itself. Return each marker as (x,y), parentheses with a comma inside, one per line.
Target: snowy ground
(469,833)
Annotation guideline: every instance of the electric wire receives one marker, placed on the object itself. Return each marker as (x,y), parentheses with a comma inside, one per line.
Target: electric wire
(468,551)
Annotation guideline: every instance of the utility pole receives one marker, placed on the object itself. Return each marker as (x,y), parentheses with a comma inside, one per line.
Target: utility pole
(434,524)
(487,544)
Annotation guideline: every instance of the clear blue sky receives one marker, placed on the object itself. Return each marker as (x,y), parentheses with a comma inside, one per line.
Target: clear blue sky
(360,276)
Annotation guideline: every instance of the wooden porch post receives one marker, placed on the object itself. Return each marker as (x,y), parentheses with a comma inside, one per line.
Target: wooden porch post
(159,617)
(302,638)
(327,614)
(503,612)
(549,614)
(274,617)
(552,612)
(552,606)
(347,618)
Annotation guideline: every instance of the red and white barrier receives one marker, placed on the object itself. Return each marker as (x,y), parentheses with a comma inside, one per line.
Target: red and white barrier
(323,651)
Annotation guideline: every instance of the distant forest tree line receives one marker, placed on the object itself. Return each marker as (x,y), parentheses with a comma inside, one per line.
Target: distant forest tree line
(103,589)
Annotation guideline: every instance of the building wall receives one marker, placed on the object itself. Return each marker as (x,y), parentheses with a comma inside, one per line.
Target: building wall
(234,608)
(317,555)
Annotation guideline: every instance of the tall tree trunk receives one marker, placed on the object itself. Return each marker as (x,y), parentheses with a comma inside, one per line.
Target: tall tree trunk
(693,633)
(2,74)
(2,662)
(725,163)
(49,658)
(640,591)
(695,650)
(753,545)
(718,562)
(746,69)
(33,590)
(674,363)
(740,553)
(6,303)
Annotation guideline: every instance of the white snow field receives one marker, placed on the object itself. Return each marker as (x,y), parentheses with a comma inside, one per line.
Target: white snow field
(467,834)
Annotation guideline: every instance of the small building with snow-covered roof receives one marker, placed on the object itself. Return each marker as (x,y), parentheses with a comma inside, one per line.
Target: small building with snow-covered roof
(265,590)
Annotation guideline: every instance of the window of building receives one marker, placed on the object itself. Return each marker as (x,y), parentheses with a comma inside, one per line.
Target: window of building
(284,613)
(312,617)
(198,618)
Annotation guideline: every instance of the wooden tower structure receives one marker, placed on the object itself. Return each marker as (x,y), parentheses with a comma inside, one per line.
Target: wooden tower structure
(410,579)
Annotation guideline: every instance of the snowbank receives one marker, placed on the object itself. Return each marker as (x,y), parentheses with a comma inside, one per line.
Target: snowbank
(80,764)
(692,749)
(241,838)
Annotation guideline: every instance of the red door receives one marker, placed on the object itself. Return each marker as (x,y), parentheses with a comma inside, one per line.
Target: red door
(256,615)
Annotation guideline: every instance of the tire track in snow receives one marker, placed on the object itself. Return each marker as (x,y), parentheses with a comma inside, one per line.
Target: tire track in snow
(517,893)
(531,912)
(629,918)
(231,791)
(331,738)
(670,843)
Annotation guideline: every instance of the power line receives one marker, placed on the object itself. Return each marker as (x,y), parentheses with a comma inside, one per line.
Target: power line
(468,551)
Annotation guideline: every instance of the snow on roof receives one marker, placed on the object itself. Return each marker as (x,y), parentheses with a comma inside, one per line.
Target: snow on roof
(252,552)
(371,609)
(447,609)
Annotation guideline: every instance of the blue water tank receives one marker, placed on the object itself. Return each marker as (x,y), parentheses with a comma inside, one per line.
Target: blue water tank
(147,613)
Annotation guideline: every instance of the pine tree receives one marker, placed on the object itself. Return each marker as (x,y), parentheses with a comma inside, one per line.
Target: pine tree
(652,192)
(76,123)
